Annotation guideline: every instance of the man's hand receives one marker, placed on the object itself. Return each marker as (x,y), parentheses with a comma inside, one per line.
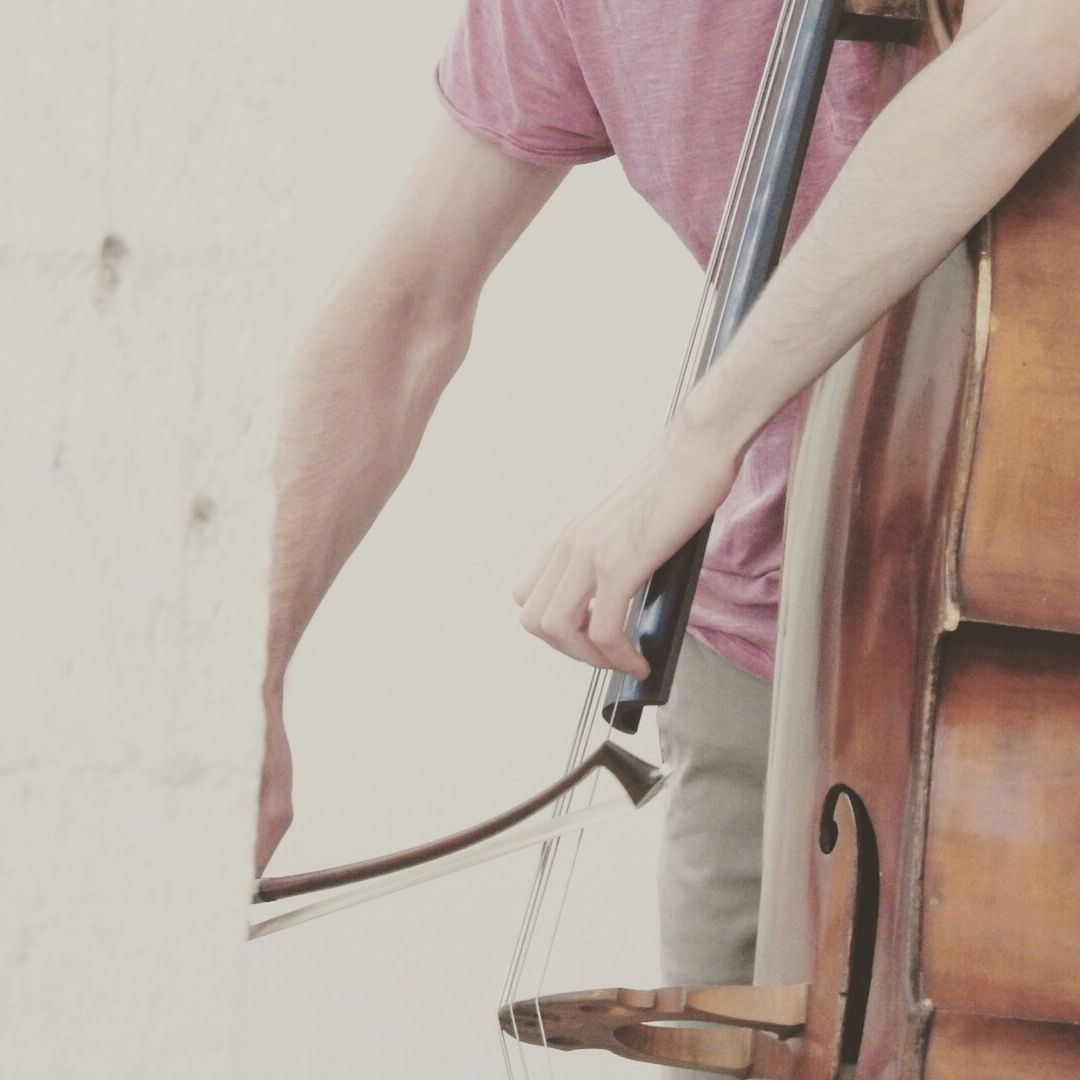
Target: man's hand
(966,129)
(577,596)
(275,789)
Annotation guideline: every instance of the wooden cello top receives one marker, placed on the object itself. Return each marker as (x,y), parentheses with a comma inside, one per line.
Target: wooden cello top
(1019,558)
(930,656)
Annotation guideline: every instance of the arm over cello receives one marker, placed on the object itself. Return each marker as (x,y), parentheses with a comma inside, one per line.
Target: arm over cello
(870,588)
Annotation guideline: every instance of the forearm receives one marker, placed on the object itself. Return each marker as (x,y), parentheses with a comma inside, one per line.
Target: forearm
(360,397)
(946,150)
(377,360)
(366,383)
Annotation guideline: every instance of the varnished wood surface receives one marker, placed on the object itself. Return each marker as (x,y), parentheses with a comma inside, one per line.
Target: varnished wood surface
(1020,559)
(965,1047)
(743,1034)
(767,1032)
(836,874)
(872,514)
(1002,888)
(874,525)
(863,601)
(909,515)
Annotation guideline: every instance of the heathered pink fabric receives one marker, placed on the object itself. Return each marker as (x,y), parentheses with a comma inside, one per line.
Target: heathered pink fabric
(667,85)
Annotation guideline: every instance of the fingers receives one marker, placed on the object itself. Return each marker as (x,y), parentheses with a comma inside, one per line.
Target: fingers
(525,587)
(565,619)
(607,632)
(555,607)
(275,792)
(579,611)
(274,821)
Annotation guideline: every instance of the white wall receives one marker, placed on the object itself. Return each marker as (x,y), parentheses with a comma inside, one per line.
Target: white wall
(144,285)
(416,703)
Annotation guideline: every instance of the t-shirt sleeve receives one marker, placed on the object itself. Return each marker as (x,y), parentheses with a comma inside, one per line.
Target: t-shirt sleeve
(510,75)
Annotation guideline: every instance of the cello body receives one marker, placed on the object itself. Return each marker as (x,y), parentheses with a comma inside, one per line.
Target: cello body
(920,913)
(929,666)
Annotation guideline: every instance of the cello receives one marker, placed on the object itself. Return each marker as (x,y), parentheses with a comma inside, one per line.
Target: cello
(921,890)
(821,999)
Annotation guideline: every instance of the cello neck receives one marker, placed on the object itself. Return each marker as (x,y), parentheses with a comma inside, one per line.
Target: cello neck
(747,248)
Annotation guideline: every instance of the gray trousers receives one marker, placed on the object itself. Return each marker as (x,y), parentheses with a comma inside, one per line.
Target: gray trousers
(714,732)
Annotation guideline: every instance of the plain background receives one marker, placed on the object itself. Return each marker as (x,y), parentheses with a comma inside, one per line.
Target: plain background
(416,704)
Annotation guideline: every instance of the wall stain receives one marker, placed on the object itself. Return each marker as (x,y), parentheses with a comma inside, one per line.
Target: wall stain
(110,261)
(203,510)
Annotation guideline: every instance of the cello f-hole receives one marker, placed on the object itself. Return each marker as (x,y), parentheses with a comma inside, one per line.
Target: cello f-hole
(864,916)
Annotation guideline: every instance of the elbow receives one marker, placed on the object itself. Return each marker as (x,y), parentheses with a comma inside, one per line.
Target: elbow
(433,322)
(415,327)
(1054,87)
(425,339)
(1033,46)
(437,349)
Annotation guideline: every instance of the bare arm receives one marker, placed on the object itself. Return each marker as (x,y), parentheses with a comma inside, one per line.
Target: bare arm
(367,380)
(965,130)
(941,156)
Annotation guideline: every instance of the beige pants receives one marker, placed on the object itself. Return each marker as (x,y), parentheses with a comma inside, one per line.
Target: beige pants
(714,732)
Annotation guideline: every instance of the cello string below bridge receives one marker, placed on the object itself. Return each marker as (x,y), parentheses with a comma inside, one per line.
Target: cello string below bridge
(586,722)
(708,325)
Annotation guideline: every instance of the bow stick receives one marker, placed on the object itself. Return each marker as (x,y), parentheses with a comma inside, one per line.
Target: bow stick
(495,848)
(638,779)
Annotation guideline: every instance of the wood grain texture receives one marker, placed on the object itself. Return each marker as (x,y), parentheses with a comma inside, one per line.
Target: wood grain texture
(870,521)
(874,520)
(964,1047)
(739,1030)
(1002,887)
(863,603)
(1020,556)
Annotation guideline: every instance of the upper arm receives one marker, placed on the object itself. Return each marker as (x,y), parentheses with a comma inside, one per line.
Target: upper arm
(460,212)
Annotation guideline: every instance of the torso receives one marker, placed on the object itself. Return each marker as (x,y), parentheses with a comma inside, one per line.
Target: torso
(674,84)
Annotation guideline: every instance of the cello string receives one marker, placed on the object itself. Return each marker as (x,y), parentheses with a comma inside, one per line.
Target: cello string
(717,294)
(559,911)
(779,60)
(721,243)
(767,106)
(773,109)
(562,906)
(545,865)
(549,858)
(495,847)
(730,222)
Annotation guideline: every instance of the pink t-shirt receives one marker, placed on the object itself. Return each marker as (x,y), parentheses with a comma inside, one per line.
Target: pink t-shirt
(668,86)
